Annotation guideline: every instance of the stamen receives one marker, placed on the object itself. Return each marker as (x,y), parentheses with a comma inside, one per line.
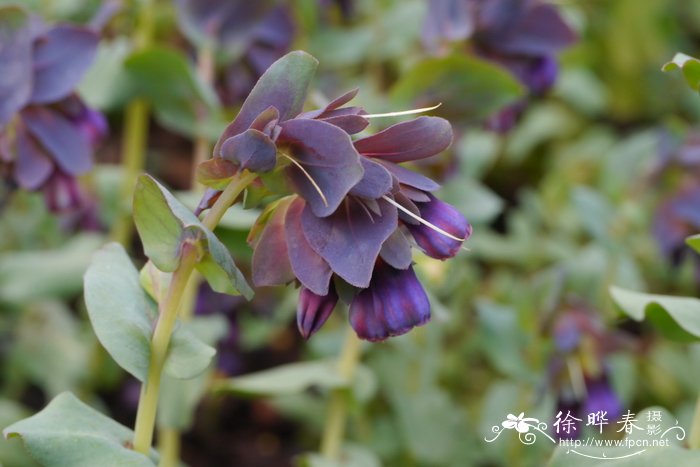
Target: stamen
(313,182)
(403,112)
(423,221)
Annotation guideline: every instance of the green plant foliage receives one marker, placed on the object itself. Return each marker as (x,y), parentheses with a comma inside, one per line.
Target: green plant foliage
(689,67)
(483,87)
(122,317)
(164,224)
(678,318)
(68,433)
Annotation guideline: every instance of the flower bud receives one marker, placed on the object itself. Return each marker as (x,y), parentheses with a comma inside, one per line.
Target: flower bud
(313,310)
(445,217)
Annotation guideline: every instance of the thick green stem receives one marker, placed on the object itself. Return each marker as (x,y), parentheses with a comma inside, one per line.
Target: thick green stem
(336,418)
(694,437)
(169,447)
(168,314)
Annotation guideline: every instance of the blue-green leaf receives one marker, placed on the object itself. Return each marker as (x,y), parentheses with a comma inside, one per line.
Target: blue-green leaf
(678,318)
(68,433)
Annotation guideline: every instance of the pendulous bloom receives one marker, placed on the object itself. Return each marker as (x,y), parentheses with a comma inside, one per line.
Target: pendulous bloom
(46,131)
(579,371)
(354,208)
(523,36)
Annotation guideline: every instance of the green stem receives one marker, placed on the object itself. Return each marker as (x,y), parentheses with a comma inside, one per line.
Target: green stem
(168,314)
(169,447)
(694,437)
(135,135)
(133,157)
(205,70)
(336,418)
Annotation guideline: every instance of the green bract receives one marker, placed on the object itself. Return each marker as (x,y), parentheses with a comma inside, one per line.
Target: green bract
(165,224)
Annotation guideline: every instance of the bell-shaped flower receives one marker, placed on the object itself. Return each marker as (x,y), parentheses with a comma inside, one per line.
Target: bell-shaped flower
(393,304)
(313,310)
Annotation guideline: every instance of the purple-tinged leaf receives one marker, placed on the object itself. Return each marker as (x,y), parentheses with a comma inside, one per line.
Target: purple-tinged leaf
(308,266)
(334,104)
(271,264)
(375,182)
(394,303)
(350,239)
(284,85)
(265,122)
(351,124)
(396,250)
(411,178)
(216,173)
(68,146)
(327,155)
(408,141)
(313,310)
(32,166)
(252,150)
(16,59)
(446,217)
(61,58)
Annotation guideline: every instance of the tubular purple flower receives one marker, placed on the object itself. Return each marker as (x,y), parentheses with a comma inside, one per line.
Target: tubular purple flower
(446,217)
(313,310)
(393,304)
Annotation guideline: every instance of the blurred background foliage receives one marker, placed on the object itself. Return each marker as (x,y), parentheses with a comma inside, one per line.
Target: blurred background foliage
(581,194)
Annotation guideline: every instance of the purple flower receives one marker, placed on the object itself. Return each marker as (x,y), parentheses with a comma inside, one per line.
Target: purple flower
(392,305)
(676,218)
(579,370)
(47,130)
(523,36)
(354,209)
(313,310)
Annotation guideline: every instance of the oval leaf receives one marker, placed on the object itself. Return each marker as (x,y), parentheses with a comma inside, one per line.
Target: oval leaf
(68,433)
(678,318)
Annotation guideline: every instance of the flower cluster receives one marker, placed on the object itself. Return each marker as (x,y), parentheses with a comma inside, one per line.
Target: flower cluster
(47,133)
(355,211)
(578,370)
(523,36)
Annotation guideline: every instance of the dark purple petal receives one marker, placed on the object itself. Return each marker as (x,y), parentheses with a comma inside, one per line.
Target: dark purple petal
(16,59)
(33,166)
(313,310)
(408,141)
(271,265)
(409,205)
(394,303)
(252,150)
(602,397)
(350,239)
(396,250)
(68,146)
(308,266)
(61,57)
(284,86)
(90,122)
(446,217)
(327,154)
(409,177)
(417,196)
(375,182)
(539,30)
